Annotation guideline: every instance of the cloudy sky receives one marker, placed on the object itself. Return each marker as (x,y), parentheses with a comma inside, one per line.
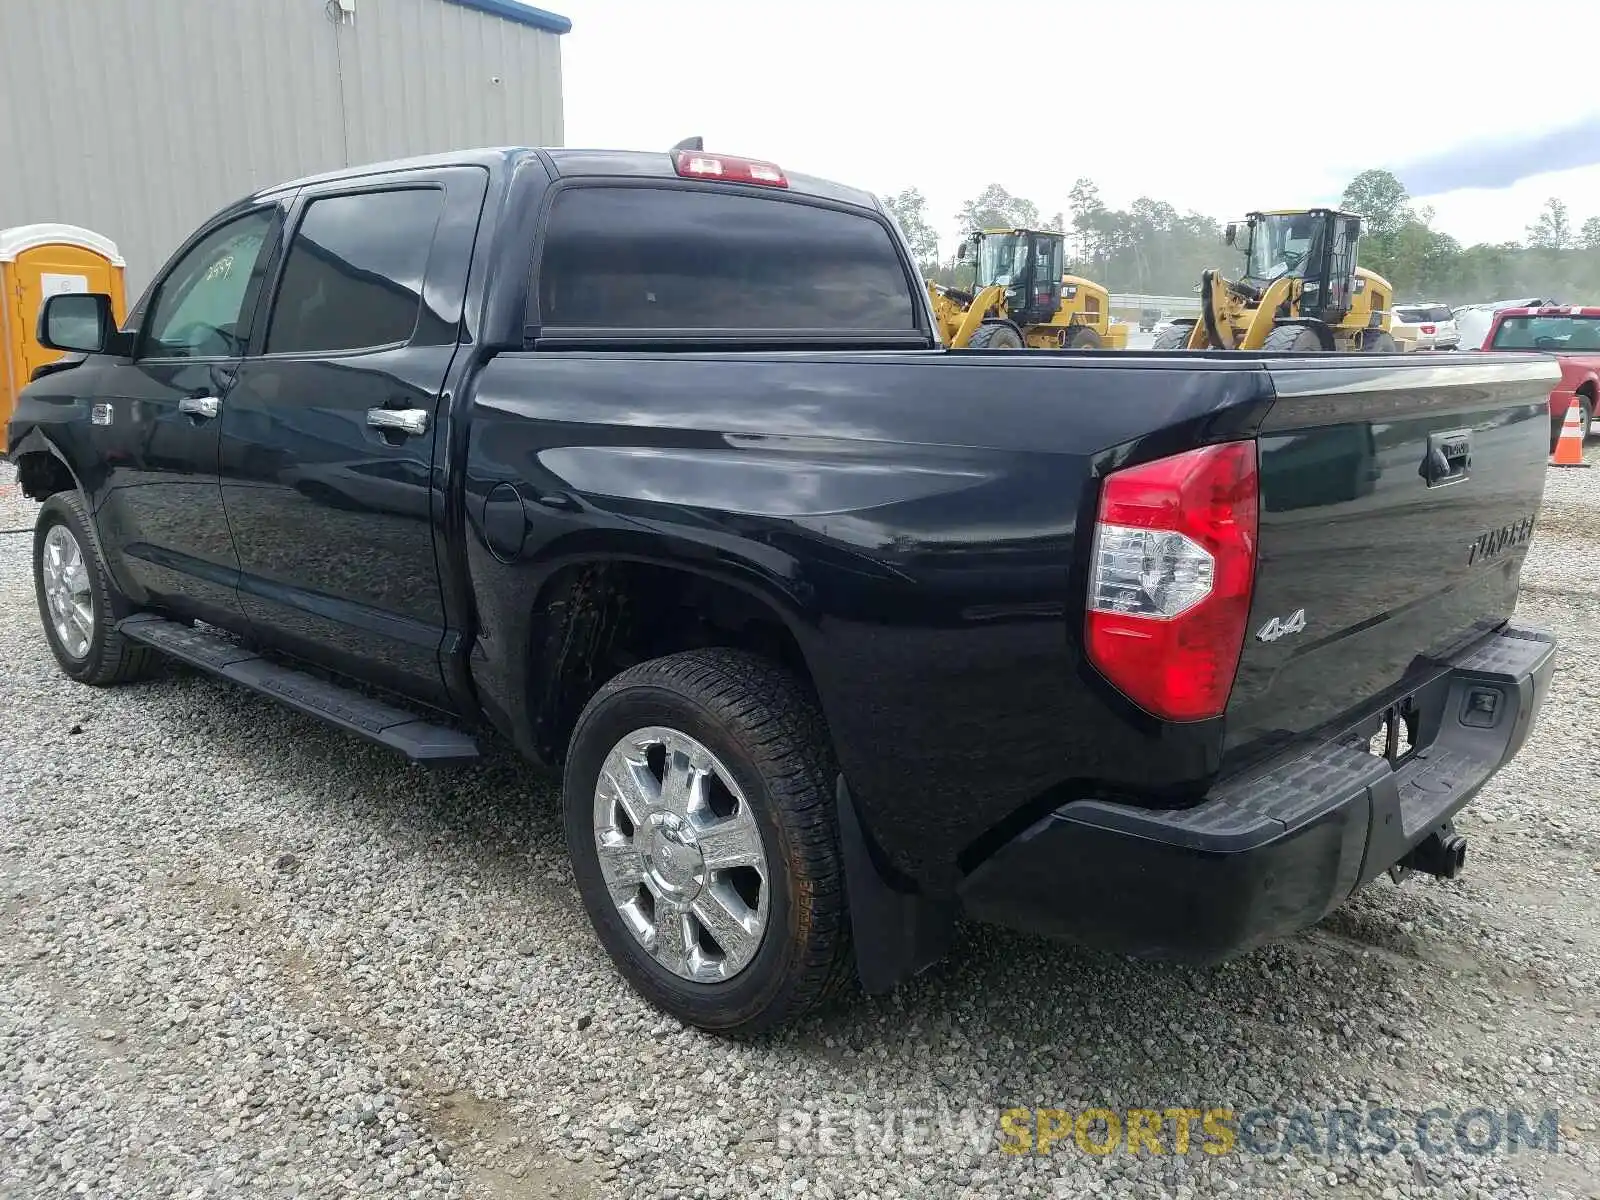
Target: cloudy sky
(1481,107)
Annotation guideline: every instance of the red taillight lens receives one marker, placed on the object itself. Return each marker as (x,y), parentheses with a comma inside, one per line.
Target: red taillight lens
(1169,585)
(1430,329)
(696,164)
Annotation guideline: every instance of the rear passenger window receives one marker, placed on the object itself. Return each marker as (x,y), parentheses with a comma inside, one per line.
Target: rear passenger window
(654,258)
(353,277)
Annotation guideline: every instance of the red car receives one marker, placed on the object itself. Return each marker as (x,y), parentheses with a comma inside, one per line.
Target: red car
(1572,335)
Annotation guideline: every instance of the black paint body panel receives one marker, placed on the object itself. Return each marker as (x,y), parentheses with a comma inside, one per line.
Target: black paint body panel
(1274,850)
(916,521)
(1382,561)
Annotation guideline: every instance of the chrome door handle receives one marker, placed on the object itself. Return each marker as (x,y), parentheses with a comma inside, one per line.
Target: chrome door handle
(404,420)
(200,406)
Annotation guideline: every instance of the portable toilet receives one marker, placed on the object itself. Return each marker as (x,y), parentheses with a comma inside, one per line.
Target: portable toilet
(38,261)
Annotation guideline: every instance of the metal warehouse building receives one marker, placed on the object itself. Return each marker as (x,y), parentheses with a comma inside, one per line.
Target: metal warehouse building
(139,118)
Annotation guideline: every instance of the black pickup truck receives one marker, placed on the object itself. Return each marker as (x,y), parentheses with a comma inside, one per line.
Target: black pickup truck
(651,464)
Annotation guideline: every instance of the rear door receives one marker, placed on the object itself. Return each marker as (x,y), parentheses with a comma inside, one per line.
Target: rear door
(329,433)
(157,430)
(1397,502)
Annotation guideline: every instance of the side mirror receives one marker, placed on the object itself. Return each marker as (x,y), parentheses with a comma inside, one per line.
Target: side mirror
(961,252)
(1352,229)
(76,321)
(1230,235)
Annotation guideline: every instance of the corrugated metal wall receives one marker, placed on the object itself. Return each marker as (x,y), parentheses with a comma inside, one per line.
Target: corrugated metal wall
(140,118)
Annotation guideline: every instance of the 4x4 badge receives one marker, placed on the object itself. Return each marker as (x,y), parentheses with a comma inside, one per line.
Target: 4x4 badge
(1277,628)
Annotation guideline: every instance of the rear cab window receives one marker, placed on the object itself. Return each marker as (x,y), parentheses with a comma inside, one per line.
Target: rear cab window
(686,260)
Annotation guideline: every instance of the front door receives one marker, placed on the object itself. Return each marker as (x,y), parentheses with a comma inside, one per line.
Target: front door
(157,429)
(329,431)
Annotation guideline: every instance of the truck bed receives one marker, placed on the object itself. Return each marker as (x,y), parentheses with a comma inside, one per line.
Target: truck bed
(920,518)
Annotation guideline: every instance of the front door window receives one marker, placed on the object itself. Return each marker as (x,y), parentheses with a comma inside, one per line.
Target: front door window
(204,306)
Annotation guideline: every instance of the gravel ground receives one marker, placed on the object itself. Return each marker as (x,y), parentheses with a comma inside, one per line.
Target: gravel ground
(241,954)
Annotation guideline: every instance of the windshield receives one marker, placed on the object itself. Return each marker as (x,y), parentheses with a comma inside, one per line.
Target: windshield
(1561,333)
(1279,245)
(1002,257)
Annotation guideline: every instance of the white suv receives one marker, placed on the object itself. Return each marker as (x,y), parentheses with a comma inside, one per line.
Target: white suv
(1424,327)
(1473,321)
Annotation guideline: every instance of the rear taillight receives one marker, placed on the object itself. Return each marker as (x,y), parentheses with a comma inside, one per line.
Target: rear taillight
(1169,585)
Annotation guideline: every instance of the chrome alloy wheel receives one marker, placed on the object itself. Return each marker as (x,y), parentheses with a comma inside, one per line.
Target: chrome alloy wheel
(681,854)
(65,576)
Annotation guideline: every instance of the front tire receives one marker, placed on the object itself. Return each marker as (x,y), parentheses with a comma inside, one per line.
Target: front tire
(1084,338)
(77,602)
(1292,339)
(1585,416)
(996,335)
(699,812)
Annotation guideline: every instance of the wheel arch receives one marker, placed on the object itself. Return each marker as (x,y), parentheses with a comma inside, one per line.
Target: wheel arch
(594,616)
(585,628)
(42,468)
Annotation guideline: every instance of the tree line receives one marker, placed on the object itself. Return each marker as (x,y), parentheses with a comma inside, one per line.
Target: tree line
(1151,247)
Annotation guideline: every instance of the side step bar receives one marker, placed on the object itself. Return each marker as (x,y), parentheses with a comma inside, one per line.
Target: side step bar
(419,740)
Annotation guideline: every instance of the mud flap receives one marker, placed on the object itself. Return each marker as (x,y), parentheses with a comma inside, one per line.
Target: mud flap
(897,934)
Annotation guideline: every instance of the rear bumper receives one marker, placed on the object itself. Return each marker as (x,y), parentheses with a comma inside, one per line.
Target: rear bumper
(1273,852)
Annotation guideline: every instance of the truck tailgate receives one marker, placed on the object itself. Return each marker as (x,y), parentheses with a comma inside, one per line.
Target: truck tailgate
(1398,497)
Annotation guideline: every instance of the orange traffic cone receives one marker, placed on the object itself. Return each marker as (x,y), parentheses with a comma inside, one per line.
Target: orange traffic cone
(1569,446)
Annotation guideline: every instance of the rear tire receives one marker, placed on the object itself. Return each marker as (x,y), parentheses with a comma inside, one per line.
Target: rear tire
(1585,415)
(1083,338)
(745,737)
(1292,339)
(1377,341)
(78,604)
(996,335)
(1173,337)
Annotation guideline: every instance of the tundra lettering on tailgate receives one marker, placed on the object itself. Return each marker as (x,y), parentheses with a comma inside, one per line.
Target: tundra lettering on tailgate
(1492,543)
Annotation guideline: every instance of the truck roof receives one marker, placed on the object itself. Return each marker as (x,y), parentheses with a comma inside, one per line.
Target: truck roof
(1548,310)
(573,162)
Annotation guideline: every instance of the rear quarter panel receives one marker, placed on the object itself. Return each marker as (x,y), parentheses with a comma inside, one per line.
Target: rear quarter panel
(914,518)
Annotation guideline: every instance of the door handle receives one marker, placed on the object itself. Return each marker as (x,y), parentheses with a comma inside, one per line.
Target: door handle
(402,420)
(205,407)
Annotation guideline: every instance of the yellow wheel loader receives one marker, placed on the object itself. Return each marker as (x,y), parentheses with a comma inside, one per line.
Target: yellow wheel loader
(1021,299)
(1301,290)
